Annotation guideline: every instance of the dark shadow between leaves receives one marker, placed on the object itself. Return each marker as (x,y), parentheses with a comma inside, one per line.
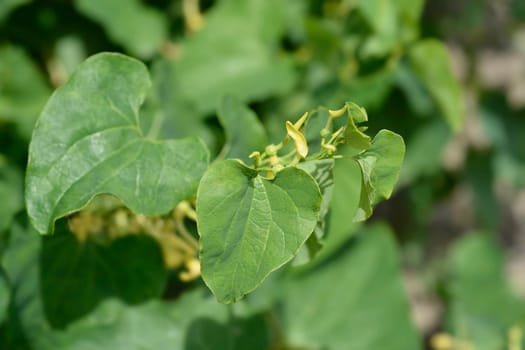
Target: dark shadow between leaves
(76,276)
(250,333)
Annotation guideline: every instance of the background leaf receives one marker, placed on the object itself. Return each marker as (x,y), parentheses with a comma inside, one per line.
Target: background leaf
(23,90)
(481,316)
(244,132)
(7,6)
(366,309)
(393,22)
(21,262)
(432,137)
(245,61)
(438,78)
(140,29)
(250,333)
(11,189)
(4,295)
(194,322)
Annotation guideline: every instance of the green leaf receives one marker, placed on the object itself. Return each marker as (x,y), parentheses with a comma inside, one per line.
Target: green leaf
(310,249)
(418,99)
(380,166)
(321,171)
(193,322)
(88,141)
(438,78)
(410,10)
(355,300)
(250,226)
(244,131)
(481,316)
(114,325)
(140,29)
(369,90)
(76,276)
(382,18)
(11,189)
(354,135)
(21,262)
(429,139)
(245,60)
(7,6)
(252,333)
(23,90)
(343,206)
(507,135)
(4,295)
(393,22)
(173,117)
(479,175)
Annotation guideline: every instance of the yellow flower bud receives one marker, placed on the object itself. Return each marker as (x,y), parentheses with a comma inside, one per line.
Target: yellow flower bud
(298,138)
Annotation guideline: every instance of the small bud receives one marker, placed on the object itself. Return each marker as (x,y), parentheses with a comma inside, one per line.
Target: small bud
(324,132)
(337,113)
(271,150)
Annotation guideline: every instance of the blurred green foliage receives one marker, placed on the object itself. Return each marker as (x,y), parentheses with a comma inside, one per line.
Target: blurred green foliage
(465,137)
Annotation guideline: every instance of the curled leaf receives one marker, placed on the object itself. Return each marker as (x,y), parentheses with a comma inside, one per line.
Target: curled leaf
(354,135)
(298,138)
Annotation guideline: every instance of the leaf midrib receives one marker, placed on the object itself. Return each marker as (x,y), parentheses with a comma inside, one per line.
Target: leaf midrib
(255,181)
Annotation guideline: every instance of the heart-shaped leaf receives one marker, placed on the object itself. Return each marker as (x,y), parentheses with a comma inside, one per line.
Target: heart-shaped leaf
(380,166)
(250,226)
(88,140)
